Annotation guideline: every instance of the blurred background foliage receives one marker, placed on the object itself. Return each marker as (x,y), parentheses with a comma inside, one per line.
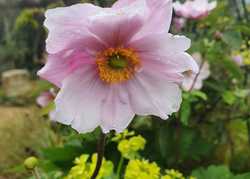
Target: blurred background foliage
(208,138)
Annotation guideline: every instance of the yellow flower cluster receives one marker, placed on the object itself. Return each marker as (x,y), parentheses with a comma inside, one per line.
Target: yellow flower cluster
(83,169)
(174,174)
(129,144)
(142,169)
(130,147)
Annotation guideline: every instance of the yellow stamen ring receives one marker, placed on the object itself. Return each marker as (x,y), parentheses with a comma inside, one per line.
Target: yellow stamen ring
(117,65)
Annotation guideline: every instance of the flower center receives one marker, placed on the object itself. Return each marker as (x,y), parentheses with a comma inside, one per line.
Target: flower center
(117,64)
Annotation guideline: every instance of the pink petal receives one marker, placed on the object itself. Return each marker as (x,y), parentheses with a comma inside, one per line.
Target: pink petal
(67,28)
(159,18)
(160,99)
(161,42)
(117,26)
(59,66)
(122,3)
(117,112)
(44,99)
(80,100)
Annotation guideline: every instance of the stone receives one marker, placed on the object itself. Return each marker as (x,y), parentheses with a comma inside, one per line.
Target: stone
(16,82)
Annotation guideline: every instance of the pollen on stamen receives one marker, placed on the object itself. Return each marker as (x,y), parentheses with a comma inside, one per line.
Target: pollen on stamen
(127,63)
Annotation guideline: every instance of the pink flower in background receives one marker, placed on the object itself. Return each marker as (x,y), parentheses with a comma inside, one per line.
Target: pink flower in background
(179,23)
(113,63)
(194,9)
(45,98)
(195,81)
(238,59)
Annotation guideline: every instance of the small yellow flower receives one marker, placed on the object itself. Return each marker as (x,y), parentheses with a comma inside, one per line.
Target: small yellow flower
(191,177)
(142,169)
(175,174)
(130,147)
(125,134)
(166,177)
(83,169)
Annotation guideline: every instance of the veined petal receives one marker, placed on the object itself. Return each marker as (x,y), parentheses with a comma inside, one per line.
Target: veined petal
(161,41)
(67,28)
(60,65)
(116,112)
(117,26)
(80,100)
(172,63)
(160,99)
(159,17)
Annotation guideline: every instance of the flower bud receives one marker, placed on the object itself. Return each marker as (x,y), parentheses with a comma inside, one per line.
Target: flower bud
(30,163)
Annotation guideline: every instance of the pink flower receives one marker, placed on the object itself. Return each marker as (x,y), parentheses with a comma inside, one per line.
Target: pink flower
(195,81)
(179,23)
(238,59)
(194,9)
(44,99)
(113,63)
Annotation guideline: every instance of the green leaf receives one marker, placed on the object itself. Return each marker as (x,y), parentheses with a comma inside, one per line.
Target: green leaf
(241,93)
(185,112)
(229,97)
(199,94)
(47,109)
(217,172)
(233,39)
(242,176)
(62,156)
(212,172)
(234,70)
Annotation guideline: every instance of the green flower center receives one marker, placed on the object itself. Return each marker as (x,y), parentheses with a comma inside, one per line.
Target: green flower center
(118,62)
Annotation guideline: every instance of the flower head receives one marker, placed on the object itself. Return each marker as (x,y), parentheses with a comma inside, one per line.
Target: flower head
(142,169)
(130,147)
(85,169)
(195,81)
(241,57)
(45,98)
(238,60)
(194,9)
(173,174)
(113,63)
(179,23)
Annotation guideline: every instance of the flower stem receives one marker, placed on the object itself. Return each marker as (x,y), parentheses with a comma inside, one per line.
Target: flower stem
(196,76)
(100,154)
(36,173)
(119,168)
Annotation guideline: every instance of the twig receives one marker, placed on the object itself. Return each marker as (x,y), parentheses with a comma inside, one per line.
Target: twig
(196,76)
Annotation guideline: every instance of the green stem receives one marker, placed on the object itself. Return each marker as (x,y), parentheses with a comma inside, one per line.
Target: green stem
(36,173)
(119,168)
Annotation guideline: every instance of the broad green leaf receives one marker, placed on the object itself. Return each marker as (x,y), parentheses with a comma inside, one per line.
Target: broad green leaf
(233,39)
(229,97)
(199,94)
(212,172)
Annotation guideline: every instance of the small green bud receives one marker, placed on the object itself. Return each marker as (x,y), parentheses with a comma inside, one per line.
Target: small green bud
(30,163)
